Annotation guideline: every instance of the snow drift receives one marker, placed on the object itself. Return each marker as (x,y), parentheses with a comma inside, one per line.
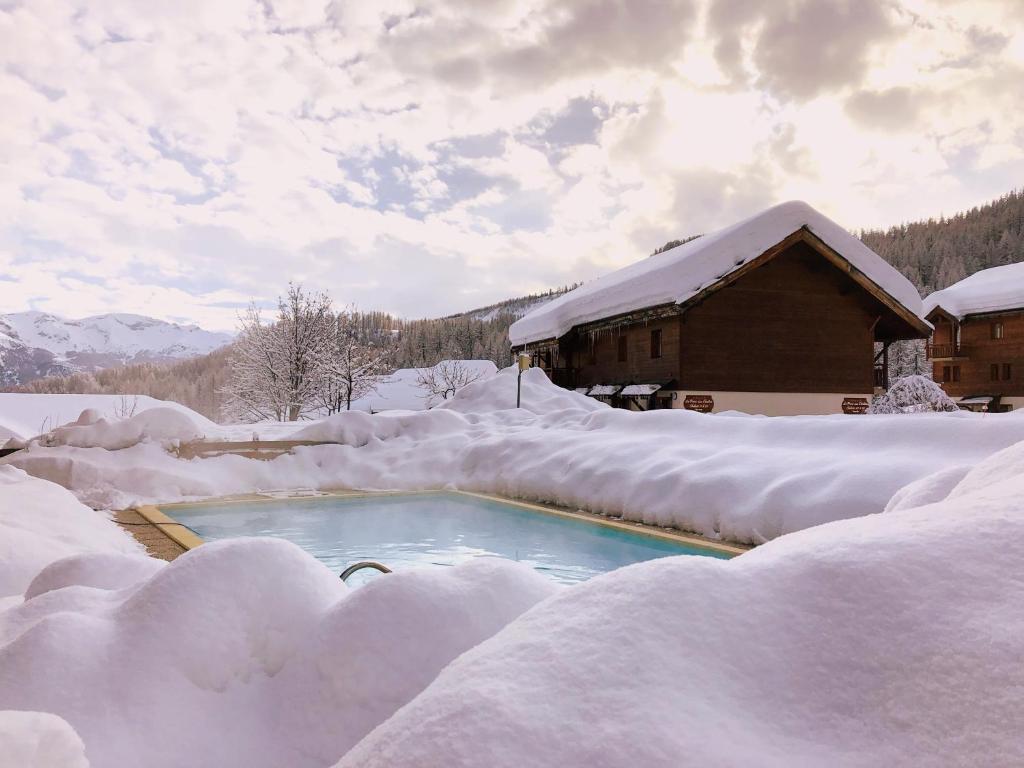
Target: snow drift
(740,478)
(159,424)
(893,639)
(887,640)
(41,522)
(245,652)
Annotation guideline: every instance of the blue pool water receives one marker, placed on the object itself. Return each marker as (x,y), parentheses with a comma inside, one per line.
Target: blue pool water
(436,529)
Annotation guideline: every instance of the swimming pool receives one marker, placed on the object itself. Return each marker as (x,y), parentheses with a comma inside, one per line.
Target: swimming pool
(432,529)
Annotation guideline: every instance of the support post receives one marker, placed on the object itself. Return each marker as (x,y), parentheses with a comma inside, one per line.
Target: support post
(524,363)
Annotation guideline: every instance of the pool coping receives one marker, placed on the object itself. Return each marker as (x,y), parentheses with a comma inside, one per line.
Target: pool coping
(188,539)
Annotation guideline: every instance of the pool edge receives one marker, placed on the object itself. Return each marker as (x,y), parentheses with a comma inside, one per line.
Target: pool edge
(184,537)
(177,532)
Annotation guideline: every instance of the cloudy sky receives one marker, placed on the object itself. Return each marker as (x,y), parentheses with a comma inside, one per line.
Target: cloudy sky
(178,159)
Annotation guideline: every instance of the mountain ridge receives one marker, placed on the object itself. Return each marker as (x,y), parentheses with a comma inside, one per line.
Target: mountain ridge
(35,344)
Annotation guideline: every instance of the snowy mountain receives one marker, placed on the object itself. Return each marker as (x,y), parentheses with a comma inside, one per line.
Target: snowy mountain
(38,344)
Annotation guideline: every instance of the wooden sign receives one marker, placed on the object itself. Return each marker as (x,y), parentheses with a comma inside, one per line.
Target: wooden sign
(699,403)
(855,405)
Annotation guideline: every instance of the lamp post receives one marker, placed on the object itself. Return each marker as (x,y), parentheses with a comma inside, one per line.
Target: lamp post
(524,364)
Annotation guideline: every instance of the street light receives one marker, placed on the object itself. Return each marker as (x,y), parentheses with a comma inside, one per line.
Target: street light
(524,364)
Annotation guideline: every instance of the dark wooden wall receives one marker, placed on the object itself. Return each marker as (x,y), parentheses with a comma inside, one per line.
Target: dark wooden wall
(794,324)
(596,355)
(979,351)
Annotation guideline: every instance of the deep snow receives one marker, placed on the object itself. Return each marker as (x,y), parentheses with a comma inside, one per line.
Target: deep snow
(742,478)
(28,415)
(892,639)
(989,290)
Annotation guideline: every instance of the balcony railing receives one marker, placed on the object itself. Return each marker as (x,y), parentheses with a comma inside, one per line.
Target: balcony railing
(944,351)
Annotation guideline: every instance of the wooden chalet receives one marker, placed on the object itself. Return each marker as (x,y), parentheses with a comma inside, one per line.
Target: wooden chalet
(977,347)
(784,313)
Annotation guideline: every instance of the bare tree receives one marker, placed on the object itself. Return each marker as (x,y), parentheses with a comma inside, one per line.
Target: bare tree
(355,366)
(445,379)
(276,368)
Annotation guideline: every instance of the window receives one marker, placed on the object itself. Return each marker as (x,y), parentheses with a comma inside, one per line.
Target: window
(997,330)
(1007,372)
(956,373)
(947,374)
(993,372)
(622,349)
(656,343)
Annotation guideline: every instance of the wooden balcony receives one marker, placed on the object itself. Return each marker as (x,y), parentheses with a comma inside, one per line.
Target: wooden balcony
(950,351)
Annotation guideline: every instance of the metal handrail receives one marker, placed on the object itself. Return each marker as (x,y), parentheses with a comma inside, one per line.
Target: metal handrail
(364,564)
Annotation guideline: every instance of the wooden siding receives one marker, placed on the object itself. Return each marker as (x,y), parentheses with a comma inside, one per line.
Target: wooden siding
(979,351)
(596,355)
(795,324)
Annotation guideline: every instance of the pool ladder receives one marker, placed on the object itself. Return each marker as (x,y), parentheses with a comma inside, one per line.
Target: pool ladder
(364,564)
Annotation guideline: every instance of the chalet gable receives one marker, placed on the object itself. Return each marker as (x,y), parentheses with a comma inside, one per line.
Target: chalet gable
(674,280)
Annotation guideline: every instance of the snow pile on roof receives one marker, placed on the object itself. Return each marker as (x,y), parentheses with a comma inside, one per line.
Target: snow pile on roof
(158,424)
(41,522)
(740,479)
(913,394)
(246,652)
(676,275)
(28,415)
(990,290)
(853,644)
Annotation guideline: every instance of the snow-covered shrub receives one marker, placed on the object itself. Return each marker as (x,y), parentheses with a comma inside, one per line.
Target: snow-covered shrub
(913,394)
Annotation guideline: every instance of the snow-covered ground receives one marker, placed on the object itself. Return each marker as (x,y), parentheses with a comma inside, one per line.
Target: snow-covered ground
(892,639)
(28,415)
(741,478)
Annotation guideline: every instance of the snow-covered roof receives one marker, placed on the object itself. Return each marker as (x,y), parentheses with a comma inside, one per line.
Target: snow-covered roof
(990,290)
(676,275)
(639,390)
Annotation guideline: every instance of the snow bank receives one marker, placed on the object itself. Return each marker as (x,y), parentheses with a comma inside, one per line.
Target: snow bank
(737,478)
(246,652)
(539,396)
(28,415)
(41,522)
(401,390)
(990,290)
(39,740)
(682,272)
(158,424)
(852,644)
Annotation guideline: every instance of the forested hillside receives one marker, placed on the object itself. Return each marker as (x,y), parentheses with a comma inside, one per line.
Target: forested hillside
(939,252)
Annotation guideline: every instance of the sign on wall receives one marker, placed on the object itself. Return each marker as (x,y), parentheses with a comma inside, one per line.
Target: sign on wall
(855,405)
(699,403)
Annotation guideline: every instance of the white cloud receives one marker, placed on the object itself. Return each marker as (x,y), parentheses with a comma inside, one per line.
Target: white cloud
(178,159)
